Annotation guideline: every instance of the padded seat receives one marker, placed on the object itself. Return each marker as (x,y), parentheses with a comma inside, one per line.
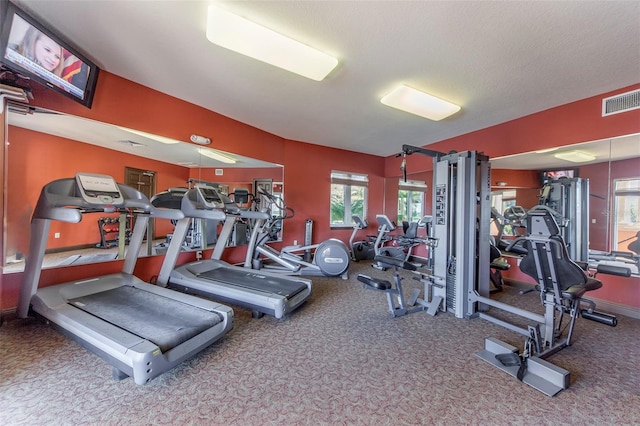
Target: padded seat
(395,262)
(374,283)
(386,261)
(577,291)
(497,261)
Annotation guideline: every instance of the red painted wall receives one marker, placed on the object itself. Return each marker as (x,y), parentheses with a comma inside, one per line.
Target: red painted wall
(307,174)
(307,167)
(49,156)
(240,176)
(515,178)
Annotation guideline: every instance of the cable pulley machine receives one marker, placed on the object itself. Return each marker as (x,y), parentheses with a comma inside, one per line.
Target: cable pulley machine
(461,208)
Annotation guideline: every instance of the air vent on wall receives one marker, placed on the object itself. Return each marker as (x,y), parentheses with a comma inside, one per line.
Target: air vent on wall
(621,103)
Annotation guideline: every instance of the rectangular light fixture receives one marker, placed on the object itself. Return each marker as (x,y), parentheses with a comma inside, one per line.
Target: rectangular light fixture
(575,156)
(419,103)
(236,33)
(156,138)
(216,156)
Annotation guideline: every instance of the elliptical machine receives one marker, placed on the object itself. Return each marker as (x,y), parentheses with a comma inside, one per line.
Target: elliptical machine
(329,258)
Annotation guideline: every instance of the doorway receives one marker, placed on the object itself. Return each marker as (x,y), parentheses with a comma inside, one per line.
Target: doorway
(145,182)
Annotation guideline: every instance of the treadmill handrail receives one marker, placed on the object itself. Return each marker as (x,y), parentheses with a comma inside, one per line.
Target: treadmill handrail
(191,207)
(60,200)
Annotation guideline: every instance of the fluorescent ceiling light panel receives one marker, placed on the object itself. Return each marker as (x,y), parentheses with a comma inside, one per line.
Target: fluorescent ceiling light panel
(156,138)
(236,33)
(575,156)
(544,151)
(419,103)
(216,155)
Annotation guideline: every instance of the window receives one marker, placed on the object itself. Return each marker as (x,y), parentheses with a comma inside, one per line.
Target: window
(348,196)
(411,200)
(501,201)
(626,222)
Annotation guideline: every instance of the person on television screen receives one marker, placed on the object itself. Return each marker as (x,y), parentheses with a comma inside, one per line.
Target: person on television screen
(40,49)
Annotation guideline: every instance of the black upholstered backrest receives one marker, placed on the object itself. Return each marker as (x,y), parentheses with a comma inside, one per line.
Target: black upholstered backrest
(547,255)
(412,230)
(494,253)
(634,246)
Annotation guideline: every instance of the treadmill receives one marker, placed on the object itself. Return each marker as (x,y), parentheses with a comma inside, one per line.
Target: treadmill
(141,329)
(261,292)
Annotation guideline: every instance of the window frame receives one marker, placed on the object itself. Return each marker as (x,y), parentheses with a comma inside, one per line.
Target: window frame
(348,180)
(412,187)
(617,195)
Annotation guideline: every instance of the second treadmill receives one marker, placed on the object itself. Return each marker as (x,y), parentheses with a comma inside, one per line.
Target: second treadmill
(261,292)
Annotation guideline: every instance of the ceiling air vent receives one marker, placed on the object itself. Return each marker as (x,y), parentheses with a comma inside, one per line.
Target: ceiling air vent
(621,103)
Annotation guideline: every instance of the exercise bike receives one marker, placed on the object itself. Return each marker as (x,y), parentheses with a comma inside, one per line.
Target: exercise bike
(329,258)
(403,245)
(364,249)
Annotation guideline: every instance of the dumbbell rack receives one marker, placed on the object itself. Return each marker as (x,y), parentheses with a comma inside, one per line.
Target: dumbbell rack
(109,228)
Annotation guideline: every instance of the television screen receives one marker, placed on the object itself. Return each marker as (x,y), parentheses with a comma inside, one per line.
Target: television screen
(557,174)
(28,48)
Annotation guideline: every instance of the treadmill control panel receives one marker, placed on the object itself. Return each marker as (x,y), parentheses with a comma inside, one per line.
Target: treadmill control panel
(209,197)
(99,189)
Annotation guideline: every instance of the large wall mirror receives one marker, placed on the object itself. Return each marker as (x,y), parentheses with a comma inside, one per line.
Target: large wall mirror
(610,203)
(612,198)
(43,145)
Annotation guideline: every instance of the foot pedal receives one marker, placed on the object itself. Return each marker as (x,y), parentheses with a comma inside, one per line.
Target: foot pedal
(509,359)
(512,359)
(535,372)
(434,305)
(414,296)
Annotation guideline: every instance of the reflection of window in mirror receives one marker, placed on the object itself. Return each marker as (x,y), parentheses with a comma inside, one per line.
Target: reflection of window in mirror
(502,201)
(411,195)
(626,223)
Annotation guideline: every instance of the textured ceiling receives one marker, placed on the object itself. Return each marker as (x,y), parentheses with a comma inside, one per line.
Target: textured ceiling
(498,60)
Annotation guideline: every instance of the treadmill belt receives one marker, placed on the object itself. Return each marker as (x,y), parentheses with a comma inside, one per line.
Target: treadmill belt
(255,281)
(165,322)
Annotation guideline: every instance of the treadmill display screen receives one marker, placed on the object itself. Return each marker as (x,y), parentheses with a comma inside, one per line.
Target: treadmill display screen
(209,196)
(99,189)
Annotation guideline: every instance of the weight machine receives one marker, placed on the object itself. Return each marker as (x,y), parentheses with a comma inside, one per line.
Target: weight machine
(459,279)
(461,208)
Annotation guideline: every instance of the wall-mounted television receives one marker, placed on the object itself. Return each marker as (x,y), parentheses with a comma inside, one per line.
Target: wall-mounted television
(34,51)
(549,175)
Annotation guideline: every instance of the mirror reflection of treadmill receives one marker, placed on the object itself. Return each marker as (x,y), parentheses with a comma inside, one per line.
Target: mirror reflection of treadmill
(117,316)
(261,292)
